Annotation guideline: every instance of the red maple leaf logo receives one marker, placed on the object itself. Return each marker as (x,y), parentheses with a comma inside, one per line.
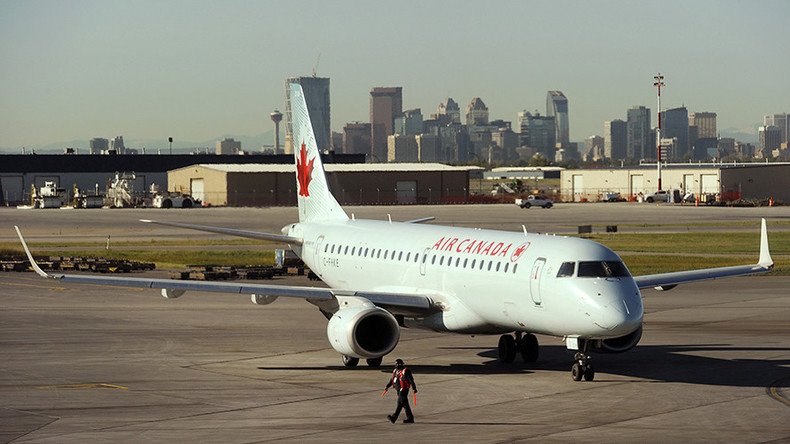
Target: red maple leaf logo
(304,171)
(518,252)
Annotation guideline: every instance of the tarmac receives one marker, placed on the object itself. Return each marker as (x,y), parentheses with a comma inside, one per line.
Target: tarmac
(103,364)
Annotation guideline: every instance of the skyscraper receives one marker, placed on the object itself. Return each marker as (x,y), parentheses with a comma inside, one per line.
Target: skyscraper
(705,123)
(780,121)
(386,104)
(675,123)
(615,139)
(451,110)
(356,138)
(316,96)
(538,132)
(476,113)
(638,133)
(557,107)
(770,138)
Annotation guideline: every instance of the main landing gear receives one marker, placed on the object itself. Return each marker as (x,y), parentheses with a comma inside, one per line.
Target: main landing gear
(582,367)
(526,345)
(349,361)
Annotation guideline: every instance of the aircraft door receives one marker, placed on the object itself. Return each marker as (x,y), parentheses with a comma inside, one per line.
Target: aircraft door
(534,280)
(317,255)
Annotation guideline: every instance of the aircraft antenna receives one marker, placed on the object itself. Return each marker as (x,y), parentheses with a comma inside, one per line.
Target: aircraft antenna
(389,216)
(524,227)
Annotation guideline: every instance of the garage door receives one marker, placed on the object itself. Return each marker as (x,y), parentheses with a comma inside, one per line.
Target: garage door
(710,184)
(196,189)
(407,192)
(688,183)
(577,187)
(637,184)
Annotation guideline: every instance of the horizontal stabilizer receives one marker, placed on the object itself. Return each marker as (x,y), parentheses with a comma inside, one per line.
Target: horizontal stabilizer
(231,232)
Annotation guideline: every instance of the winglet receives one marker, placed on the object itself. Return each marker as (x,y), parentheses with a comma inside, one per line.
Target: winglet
(30,256)
(765,255)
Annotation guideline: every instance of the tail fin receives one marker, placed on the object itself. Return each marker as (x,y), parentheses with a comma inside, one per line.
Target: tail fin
(316,203)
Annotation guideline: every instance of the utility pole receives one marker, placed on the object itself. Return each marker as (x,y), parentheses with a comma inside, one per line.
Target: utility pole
(659,82)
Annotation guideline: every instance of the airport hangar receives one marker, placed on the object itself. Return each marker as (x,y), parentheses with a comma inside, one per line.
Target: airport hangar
(352,184)
(759,181)
(19,171)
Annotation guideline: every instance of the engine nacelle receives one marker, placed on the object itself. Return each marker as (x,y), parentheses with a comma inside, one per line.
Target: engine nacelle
(363,332)
(172,293)
(262,299)
(618,345)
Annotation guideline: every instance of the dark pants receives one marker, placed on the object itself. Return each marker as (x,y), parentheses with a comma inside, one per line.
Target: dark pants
(403,403)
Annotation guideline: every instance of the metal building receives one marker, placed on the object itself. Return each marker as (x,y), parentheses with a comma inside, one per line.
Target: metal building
(351,184)
(729,181)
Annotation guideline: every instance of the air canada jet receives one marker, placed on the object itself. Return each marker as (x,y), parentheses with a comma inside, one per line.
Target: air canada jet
(385,275)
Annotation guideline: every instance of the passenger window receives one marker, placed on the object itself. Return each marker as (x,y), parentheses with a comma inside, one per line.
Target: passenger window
(386,253)
(345,251)
(400,255)
(514,268)
(441,260)
(482,264)
(366,252)
(326,247)
(433,259)
(474,262)
(506,266)
(333,249)
(566,269)
(497,265)
(465,261)
(354,251)
(378,254)
(408,256)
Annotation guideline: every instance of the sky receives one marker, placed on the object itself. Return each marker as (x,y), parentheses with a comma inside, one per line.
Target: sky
(196,70)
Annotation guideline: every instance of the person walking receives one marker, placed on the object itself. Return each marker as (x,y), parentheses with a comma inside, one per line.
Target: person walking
(402,380)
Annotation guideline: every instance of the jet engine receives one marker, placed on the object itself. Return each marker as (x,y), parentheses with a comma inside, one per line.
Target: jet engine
(617,345)
(363,332)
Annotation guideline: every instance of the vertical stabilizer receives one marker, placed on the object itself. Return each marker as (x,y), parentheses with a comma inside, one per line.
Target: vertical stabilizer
(316,203)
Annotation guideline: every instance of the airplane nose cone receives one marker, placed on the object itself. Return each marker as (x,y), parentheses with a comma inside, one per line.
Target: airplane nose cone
(621,316)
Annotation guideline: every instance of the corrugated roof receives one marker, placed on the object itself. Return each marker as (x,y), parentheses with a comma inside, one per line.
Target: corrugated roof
(338,167)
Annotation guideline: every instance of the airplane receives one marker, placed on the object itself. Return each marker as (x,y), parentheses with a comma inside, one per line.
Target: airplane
(386,275)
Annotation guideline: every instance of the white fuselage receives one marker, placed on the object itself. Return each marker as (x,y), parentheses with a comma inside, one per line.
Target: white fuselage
(485,281)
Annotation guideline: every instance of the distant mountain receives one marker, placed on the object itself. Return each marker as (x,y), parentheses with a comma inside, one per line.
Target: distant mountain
(740,134)
(152,146)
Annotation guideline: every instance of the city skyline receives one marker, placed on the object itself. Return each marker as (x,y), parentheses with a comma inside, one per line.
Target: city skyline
(198,70)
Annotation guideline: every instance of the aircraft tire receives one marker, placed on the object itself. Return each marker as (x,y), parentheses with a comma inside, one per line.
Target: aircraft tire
(589,373)
(506,349)
(374,362)
(348,361)
(529,348)
(577,372)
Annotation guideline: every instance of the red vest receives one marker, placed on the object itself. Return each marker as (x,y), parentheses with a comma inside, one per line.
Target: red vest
(399,379)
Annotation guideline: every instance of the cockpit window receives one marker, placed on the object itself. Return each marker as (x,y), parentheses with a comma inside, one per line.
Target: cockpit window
(566,269)
(604,269)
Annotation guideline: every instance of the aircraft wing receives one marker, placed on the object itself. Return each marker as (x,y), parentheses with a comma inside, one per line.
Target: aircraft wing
(232,232)
(667,281)
(399,302)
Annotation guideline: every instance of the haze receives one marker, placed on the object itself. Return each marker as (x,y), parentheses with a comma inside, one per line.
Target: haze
(195,70)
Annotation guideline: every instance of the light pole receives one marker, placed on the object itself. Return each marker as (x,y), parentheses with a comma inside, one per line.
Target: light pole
(170,139)
(659,82)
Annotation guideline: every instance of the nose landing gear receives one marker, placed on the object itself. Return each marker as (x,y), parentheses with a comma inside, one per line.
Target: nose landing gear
(582,367)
